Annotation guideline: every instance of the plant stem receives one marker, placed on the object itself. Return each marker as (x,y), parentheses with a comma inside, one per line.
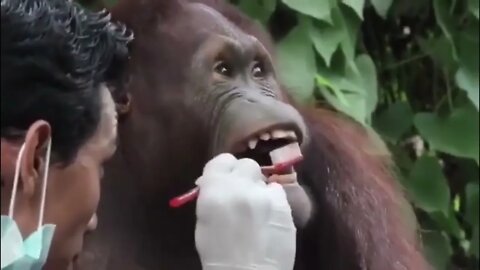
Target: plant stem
(449,90)
(452,6)
(406,61)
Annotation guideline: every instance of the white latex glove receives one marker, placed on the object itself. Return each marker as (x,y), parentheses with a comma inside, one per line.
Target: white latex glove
(242,223)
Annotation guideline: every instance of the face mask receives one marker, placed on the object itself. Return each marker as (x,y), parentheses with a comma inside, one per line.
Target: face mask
(31,253)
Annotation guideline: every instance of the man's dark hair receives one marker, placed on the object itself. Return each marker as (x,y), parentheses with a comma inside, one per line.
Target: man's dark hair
(55,54)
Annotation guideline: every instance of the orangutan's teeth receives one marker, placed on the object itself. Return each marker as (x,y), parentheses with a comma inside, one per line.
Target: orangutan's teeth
(291,134)
(252,143)
(265,137)
(279,134)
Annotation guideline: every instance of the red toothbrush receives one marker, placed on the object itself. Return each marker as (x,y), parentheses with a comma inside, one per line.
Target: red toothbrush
(292,151)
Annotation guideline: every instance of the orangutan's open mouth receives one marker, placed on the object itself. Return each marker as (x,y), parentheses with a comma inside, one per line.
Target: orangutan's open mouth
(267,148)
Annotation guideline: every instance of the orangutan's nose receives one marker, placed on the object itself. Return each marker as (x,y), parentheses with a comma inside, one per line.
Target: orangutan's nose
(92,224)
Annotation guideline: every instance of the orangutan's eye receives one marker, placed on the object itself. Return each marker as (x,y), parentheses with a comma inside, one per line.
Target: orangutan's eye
(258,70)
(223,69)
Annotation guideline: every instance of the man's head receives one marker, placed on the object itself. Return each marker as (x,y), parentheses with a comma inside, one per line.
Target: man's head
(55,60)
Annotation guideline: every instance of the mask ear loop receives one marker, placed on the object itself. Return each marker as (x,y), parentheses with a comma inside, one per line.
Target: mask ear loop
(44,183)
(15,181)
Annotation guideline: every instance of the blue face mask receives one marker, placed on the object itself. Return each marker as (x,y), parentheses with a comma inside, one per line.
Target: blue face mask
(31,253)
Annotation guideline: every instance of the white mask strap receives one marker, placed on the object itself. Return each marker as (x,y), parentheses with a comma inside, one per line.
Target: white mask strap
(44,182)
(15,181)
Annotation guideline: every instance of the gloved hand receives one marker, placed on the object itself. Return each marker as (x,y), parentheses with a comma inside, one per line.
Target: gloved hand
(242,223)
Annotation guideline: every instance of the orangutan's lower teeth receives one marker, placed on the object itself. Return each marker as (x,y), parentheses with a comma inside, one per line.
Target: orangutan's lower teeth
(283,179)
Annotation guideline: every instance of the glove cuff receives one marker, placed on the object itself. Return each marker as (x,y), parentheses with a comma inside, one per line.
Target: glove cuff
(222,266)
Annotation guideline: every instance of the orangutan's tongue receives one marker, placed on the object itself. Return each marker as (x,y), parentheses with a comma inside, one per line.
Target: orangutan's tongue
(287,153)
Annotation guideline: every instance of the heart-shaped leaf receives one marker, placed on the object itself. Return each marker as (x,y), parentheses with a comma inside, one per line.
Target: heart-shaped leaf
(260,10)
(326,39)
(472,191)
(467,75)
(443,134)
(394,121)
(382,6)
(474,242)
(364,74)
(437,249)
(319,9)
(354,93)
(448,223)
(345,19)
(440,49)
(446,21)
(427,186)
(297,65)
(473,7)
(468,81)
(356,5)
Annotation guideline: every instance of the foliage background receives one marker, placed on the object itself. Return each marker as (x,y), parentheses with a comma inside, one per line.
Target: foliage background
(409,71)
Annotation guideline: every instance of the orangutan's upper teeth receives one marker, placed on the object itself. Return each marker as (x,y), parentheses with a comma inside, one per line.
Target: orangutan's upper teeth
(279,134)
(265,136)
(252,143)
(291,134)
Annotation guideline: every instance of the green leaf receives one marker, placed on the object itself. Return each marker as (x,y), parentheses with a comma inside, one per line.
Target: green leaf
(437,249)
(473,7)
(326,39)
(356,5)
(427,186)
(319,9)
(446,21)
(401,157)
(468,41)
(467,76)
(350,25)
(472,203)
(394,121)
(364,73)
(297,65)
(448,223)
(474,242)
(269,5)
(468,81)
(354,93)
(410,9)
(343,30)
(260,9)
(382,6)
(456,135)
(440,49)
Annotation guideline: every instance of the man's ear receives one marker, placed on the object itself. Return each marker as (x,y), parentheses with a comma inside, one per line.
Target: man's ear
(37,137)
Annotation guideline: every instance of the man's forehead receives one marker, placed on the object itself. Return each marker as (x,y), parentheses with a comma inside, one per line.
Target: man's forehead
(108,119)
(106,132)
